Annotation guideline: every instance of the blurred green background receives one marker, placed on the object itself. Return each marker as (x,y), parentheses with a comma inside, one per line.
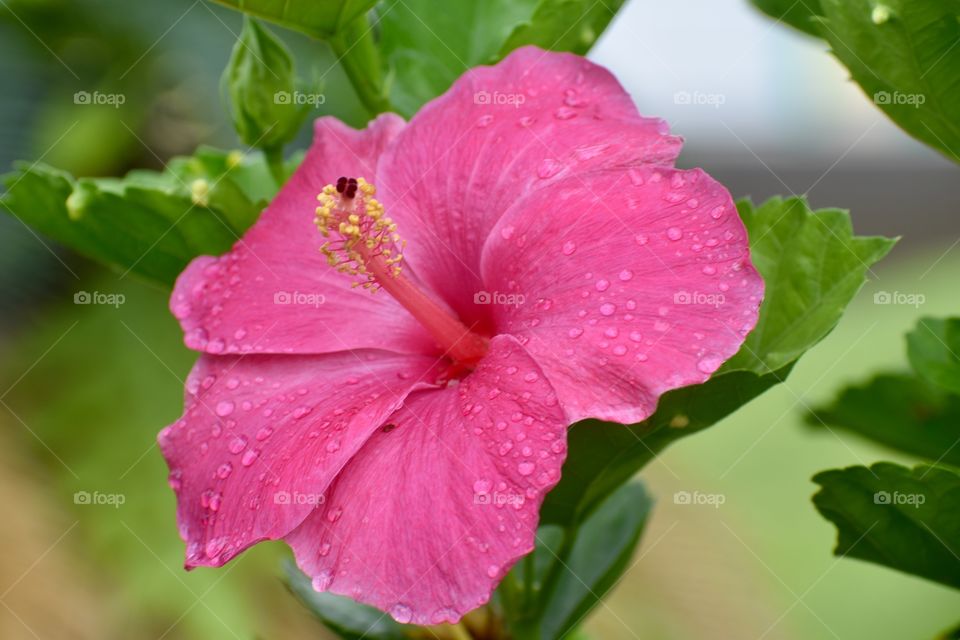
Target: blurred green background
(85,388)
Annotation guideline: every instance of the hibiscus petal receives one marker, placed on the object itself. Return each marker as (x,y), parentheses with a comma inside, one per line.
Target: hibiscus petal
(274,291)
(262,436)
(497,134)
(634,282)
(431,513)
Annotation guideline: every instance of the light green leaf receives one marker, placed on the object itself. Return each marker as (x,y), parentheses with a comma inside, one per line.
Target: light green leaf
(427,49)
(934,352)
(797,14)
(317,18)
(812,266)
(349,619)
(264,97)
(148,223)
(903,54)
(897,517)
(901,411)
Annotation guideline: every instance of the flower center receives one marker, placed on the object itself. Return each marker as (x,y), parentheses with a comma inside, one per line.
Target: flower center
(362,242)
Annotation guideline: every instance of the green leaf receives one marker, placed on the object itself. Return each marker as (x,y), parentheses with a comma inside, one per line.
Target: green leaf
(350,619)
(903,54)
(426,49)
(798,14)
(901,411)
(265,101)
(317,18)
(147,223)
(812,265)
(934,352)
(900,518)
(600,552)
(563,25)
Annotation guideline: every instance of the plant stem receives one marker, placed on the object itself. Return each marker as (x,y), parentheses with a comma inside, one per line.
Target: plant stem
(357,52)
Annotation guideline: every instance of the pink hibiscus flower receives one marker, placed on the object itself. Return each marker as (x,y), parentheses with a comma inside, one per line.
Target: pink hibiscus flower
(534,258)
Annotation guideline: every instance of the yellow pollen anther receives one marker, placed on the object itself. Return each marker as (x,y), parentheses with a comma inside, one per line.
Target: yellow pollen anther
(362,241)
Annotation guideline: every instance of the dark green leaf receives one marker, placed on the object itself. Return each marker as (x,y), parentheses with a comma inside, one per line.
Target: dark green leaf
(934,352)
(812,265)
(901,411)
(267,106)
(796,13)
(599,554)
(903,54)
(317,18)
(148,223)
(350,619)
(427,49)
(897,517)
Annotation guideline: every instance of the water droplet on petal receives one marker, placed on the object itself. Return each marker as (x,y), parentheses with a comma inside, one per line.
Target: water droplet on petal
(401,613)
(249,457)
(223,471)
(525,468)
(224,408)
(709,364)
(493,571)
(575,332)
(607,309)
(674,233)
(321,581)
(237,445)
(602,285)
(569,248)
(625,275)
(507,232)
